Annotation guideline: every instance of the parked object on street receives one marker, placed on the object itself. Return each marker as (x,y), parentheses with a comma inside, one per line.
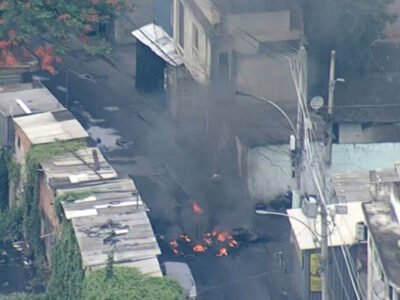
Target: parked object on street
(181,272)
(280,204)
(244,235)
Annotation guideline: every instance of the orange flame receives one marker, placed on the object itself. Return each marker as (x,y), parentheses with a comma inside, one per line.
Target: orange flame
(233,243)
(223,236)
(222,252)
(196,208)
(199,248)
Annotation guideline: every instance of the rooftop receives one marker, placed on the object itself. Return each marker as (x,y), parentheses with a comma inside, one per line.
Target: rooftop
(71,169)
(112,218)
(50,127)
(23,99)
(351,186)
(385,231)
(154,37)
(368,98)
(125,230)
(359,186)
(343,232)
(100,187)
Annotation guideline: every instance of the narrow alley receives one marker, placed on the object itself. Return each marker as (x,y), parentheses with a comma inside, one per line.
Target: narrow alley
(144,145)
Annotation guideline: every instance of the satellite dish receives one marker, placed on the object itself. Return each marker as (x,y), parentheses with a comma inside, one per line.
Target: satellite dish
(317,102)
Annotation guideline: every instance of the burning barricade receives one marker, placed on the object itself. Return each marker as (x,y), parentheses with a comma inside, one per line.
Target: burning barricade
(221,241)
(218,242)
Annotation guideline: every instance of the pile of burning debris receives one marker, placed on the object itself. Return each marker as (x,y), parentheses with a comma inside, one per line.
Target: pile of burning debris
(221,241)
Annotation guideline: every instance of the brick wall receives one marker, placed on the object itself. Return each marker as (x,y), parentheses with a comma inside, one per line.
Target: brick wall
(21,145)
(46,199)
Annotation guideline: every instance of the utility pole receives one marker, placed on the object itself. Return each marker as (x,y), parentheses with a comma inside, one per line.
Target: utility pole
(332,82)
(324,257)
(303,89)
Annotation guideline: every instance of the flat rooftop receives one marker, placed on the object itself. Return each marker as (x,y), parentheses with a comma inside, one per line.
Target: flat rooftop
(124,229)
(111,216)
(385,231)
(23,99)
(87,164)
(343,233)
(50,127)
(357,186)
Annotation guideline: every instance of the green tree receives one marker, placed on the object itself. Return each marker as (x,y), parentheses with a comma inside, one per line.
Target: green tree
(348,26)
(4,158)
(22,21)
(67,275)
(11,224)
(22,296)
(129,284)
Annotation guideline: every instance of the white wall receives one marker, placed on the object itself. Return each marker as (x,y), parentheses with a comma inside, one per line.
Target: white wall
(197,62)
(268,171)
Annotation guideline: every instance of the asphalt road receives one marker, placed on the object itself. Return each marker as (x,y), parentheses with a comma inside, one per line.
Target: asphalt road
(110,108)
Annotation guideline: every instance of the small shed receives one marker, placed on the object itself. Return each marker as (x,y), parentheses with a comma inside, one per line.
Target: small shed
(45,128)
(114,222)
(155,49)
(19,100)
(68,171)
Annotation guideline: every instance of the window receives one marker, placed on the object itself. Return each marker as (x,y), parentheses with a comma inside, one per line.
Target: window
(18,142)
(181,24)
(195,36)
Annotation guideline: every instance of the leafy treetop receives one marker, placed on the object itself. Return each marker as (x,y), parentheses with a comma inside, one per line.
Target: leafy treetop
(56,21)
(129,284)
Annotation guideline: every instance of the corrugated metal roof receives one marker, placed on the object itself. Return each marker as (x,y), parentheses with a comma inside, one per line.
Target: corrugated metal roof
(100,187)
(128,234)
(50,127)
(80,166)
(113,218)
(159,42)
(104,203)
(38,100)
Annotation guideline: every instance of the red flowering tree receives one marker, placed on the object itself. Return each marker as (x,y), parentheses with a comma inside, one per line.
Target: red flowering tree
(47,26)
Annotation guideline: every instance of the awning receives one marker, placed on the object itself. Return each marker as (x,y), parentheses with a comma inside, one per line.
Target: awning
(159,42)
